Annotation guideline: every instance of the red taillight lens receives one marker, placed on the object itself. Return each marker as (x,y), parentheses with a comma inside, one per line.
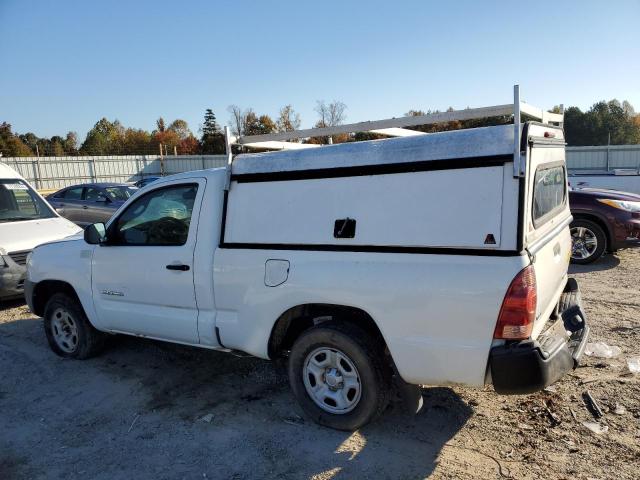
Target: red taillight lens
(518,311)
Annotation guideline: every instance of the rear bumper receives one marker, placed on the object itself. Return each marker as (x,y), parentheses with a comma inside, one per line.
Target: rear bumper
(531,365)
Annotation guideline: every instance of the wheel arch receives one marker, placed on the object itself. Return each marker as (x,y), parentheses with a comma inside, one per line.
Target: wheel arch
(45,289)
(295,320)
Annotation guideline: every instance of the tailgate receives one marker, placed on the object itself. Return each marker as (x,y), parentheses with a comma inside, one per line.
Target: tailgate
(547,217)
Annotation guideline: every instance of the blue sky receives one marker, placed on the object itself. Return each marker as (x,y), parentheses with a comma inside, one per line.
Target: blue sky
(65,64)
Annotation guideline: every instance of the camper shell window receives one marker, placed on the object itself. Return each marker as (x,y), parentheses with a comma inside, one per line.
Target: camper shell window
(549,192)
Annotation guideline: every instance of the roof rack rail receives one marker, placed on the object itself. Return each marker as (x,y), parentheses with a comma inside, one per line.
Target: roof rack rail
(394,127)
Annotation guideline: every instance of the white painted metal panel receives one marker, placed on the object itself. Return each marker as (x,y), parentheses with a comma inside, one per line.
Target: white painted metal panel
(445,208)
(623,183)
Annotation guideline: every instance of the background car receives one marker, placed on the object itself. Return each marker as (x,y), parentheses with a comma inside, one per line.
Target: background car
(91,202)
(146,181)
(603,221)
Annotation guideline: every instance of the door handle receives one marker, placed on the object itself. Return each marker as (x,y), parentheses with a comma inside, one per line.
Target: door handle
(84,207)
(180,267)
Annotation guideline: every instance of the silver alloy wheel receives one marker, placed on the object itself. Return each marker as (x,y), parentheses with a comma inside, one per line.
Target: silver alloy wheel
(332,380)
(64,330)
(584,243)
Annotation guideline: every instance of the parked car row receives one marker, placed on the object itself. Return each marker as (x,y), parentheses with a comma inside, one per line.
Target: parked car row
(91,202)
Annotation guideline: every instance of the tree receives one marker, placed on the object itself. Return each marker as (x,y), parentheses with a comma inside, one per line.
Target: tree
(105,138)
(237,120)
(288,119)
(212,139)
(181,128)
(10,143)
(138,141)
(330,115)
(604,123)
(160,124)
(71,143)
(189,146)
(56,147)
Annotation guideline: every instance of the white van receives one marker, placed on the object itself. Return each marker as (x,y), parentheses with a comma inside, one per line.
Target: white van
(26,220)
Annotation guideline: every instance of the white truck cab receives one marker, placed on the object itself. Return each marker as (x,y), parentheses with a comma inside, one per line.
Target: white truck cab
(424,259)
(26,220)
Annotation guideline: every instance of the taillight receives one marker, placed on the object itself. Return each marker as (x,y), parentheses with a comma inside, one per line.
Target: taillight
(518,311)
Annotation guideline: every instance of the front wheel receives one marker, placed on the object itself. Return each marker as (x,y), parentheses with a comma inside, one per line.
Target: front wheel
(338,374)
(68,330)
(588,241)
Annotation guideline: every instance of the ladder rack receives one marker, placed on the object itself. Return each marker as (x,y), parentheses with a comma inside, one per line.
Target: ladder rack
(395,127)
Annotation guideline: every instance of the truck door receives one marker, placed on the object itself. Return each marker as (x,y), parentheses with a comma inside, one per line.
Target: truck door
(142,278)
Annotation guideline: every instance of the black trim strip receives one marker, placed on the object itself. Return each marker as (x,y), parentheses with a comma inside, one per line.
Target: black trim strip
(223,225)
(524,149)
(384,169)
(373,249)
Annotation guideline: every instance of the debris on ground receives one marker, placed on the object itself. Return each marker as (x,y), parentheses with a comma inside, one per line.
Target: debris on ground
(633,364)
(592,405)
(602,350)
(596,427)
(619,409)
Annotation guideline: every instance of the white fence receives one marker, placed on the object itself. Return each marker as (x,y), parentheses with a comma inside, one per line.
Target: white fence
(603,158)
(47,173)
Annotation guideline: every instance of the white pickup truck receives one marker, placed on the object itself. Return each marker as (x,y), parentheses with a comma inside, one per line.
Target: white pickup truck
(427,259)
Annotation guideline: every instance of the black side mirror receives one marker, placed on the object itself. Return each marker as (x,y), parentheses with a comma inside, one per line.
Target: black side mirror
(103,199)
(95,234)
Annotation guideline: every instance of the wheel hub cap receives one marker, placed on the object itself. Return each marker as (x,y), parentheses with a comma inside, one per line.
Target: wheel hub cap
(64,330)
(584,243)
(332,380)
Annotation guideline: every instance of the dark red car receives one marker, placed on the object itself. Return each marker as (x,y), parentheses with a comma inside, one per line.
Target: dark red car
(603,221)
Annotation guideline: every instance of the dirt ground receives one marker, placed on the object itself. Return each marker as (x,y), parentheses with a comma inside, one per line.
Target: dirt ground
(149,410)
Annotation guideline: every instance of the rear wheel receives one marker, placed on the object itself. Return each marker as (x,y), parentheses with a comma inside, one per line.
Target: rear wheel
(588,241)
(69,332)
(338,374)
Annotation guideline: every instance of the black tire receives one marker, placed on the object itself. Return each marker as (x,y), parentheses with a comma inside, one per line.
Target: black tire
(365,352)
(598,233)
(86,343)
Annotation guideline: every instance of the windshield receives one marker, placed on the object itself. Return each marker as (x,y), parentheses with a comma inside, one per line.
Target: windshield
(121,193)
(19,202)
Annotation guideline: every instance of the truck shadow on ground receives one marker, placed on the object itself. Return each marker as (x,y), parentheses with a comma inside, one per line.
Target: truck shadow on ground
(253,396)
(225,416)
(9,304)
(606,262)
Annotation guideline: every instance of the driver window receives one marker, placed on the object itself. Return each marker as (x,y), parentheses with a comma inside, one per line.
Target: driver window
(161,217)
(92,194)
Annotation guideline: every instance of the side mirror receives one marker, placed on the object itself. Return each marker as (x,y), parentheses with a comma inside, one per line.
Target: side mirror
(103,199)
(95,234)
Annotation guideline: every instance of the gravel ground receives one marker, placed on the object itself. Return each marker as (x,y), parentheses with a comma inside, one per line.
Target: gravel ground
(149,410)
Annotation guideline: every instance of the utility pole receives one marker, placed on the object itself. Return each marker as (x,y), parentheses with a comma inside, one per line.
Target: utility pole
(161,162)
(39,176)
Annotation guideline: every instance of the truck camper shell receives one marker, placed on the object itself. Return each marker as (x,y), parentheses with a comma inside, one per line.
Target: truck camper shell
(454,192)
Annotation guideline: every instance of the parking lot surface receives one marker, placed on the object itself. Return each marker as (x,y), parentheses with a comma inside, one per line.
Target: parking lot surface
(150,410)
